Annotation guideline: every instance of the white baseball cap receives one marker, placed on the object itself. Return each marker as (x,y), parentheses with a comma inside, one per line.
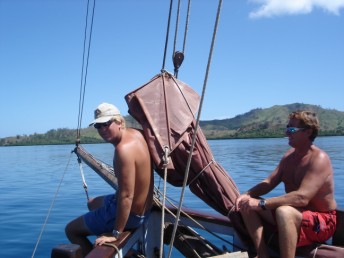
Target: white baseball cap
(104,112)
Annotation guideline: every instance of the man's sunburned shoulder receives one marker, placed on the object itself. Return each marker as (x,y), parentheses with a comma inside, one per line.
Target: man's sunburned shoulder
(131,142)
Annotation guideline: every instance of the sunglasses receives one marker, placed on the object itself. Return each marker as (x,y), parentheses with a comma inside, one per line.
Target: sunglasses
(292,130)
(100,125)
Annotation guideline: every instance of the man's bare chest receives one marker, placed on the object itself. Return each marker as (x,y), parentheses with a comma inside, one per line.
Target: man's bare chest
(293,174)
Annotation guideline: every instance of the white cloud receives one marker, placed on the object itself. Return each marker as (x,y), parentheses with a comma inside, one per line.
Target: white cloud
(270,8)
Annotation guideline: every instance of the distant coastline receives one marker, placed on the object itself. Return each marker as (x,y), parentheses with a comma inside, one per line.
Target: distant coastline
(44,139)
(257,123)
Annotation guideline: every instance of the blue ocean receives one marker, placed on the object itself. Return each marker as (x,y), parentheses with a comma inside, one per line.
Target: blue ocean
(41,188)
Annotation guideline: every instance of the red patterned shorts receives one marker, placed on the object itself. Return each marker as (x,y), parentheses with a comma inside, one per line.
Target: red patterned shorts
(316,227)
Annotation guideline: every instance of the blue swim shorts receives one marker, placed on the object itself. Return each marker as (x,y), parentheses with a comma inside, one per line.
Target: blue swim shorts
(102,220)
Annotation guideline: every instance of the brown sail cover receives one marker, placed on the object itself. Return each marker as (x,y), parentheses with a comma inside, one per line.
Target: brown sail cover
(166,108)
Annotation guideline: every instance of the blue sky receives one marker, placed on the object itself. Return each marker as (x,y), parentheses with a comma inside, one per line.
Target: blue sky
(267,52)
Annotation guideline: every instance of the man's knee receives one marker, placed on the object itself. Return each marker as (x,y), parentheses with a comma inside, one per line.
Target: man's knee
(243,212)
(248,214)
(75,227)
(288,214)
(69,230)
(95,203)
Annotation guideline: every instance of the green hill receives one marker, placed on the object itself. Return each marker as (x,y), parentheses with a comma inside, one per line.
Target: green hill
(270,122)
(257,123)
(60,136)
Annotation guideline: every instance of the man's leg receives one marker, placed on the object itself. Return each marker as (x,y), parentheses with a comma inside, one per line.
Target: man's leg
(77,233)
(254,225)
(288,221)
(95,203)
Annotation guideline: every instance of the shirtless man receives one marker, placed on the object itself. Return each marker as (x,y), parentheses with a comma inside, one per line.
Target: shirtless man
(112,214)
(306,213)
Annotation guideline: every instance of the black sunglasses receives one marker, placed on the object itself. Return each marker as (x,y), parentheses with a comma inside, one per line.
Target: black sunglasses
(100,125)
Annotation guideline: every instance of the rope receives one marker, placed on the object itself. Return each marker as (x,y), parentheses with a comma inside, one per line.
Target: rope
(83,177)
(196,222)
(167,33)
(315,252)
(166,160)
(177,60)
(85,67)
(198,174)
(116,248)
(84,70)
(81,104)
(196,127)
(186,25)
(176,31)
(176,67)
(50,209)
(178,57)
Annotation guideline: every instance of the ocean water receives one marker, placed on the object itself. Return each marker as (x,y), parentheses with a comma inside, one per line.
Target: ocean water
(41,188)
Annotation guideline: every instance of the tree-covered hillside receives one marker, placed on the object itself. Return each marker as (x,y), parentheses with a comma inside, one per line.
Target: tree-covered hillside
(269,122)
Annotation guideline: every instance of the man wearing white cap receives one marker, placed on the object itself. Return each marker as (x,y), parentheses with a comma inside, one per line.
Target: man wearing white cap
(110,215)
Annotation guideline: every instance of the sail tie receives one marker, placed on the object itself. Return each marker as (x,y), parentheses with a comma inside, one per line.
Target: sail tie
(198,174)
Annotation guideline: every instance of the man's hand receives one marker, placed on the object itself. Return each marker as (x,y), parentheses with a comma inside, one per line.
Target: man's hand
(245,203)
(104,239)
(239,200)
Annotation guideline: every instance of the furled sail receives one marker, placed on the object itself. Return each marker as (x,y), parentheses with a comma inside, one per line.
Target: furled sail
(166,107)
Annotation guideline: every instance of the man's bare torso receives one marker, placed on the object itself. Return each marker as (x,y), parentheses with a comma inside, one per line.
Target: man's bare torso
(139,152)
(294,169)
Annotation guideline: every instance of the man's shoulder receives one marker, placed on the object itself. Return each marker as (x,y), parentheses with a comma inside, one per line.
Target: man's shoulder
(319,153)
(131,139)
(134,131)
(287,154)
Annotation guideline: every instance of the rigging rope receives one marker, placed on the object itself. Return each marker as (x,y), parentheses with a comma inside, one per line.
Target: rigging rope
(83,178)
(51,207)
(167,33)
(177,56)
(84,67)
(84,70)
(81,104)
(180,59)
(196,126)
(176,31)
(186,26)
(193,220)
(166,160)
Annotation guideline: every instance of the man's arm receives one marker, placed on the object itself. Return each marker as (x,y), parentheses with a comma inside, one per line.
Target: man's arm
(125,165)
(248,199)
(319,170)
(267,184)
